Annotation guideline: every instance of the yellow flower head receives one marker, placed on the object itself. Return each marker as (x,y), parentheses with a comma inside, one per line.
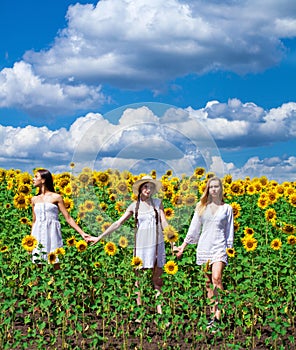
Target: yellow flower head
(89,206)
(276,244)
(169,213)
(71,241)
(171,267)
(270,214)
(291,240)
(97,264)
(60,251)
(29,243)
(110,248)
(199,172)
(136,262)
(289,229)
(170,234)
(231,252)
(248,231)
(250,243)
(4,249)
(52,257)
(123,242)
(81,246)
(236,209)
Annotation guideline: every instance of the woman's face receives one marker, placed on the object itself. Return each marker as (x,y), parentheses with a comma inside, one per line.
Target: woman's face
(37,179)
(147,189)
(215,189)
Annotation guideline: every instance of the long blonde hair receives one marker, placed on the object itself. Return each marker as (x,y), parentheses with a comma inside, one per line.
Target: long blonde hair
(204,199)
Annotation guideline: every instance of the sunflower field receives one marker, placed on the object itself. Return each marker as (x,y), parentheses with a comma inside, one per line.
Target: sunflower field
(90,302)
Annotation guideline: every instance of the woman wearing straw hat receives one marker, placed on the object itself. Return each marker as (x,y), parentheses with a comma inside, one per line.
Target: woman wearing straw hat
(150,220)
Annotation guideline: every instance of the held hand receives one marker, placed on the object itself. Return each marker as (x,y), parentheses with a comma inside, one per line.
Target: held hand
(95,240)
(179,251)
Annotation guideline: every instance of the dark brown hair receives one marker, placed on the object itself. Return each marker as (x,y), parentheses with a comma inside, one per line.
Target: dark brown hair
(46,175)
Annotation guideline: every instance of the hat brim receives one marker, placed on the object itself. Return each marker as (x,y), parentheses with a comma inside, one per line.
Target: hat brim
(138,183)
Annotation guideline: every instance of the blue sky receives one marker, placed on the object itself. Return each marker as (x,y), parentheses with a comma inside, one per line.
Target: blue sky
(141,84)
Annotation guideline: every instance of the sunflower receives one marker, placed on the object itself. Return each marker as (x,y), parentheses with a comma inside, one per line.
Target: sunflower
(99,219)
(84,179)
(68,190)
(4,249)
(110,248)
(113,197)
(136,262)
(250,243)
(270,214)
(291,240)
(236,209)
(251,189)
(72,165)
(89,205)
(29,243)
(25,221)
(69,203)
(97,264)
(289,191)
(51,257)
(262,202)
(289,229)
(264,181)
(190,199)
(7,206)
(228,179)
(60,251)
(122,187)
(248,231)
(280,190)
(170,234)
(171,267)
(292,199)
(24,189)
(169,213)
(103,178)
(276,244)
(81,246)
(120,206)
(236,188)
(123,242)
(202,186)
(21,201)
(71,241)
(177,200)
(106,225)
(258,186)
(272,197)
(236,226)
(230,252)
(103,206)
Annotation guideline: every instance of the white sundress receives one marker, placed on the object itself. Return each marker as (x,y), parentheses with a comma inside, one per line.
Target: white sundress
(212,234)
(146,240)
(46,229)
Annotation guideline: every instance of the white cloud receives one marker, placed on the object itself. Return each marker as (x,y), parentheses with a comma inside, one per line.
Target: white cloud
(22,88)
(140,140)
(140,44)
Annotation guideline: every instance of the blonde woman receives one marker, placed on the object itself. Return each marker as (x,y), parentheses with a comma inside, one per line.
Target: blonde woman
(150,220)
(212,230)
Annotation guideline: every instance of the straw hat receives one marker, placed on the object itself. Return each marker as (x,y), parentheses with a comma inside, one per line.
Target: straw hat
(143,180)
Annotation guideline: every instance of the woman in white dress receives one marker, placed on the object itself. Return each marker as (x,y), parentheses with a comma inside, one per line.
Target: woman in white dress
(212,230)
(150,220)
(46,227)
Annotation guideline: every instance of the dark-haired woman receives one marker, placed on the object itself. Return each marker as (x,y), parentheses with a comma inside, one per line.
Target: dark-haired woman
(212,230)
(46,227)
(150,220)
